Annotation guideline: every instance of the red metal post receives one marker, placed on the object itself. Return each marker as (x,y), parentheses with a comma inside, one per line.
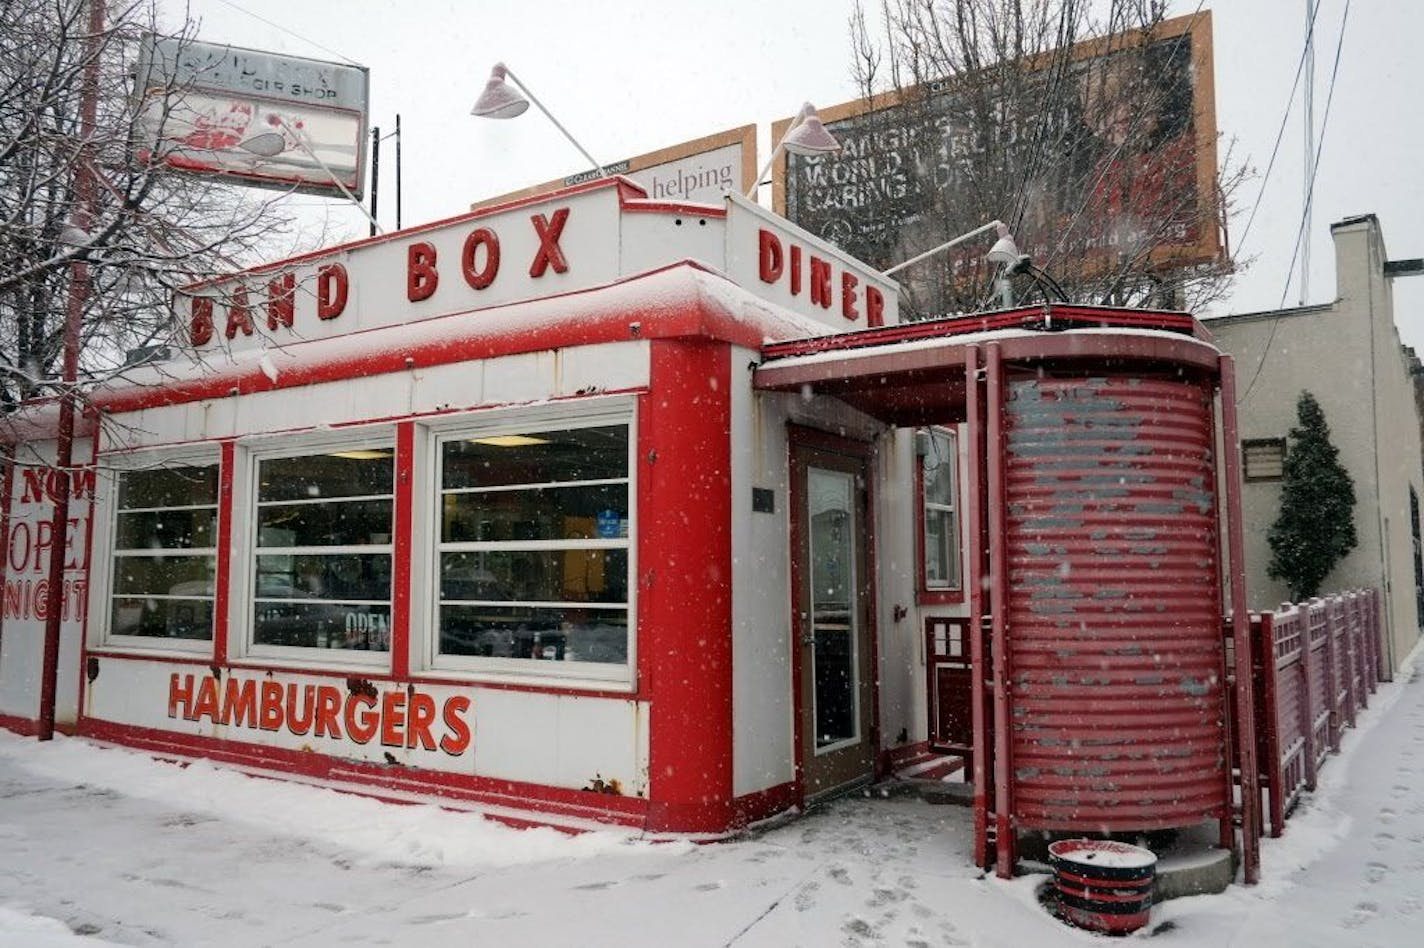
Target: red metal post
(998,607)
(1241,628)
(1377,670)
(77,297)
(1271,702)
(1307,698)
(974,530)
(1347,626)
(1357,649)
(1332,673)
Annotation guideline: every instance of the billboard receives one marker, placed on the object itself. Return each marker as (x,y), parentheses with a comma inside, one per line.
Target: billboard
(698,171)
(1099,160)
(253,117)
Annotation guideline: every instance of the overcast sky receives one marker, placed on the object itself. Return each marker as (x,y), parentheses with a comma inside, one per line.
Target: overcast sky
(630,76)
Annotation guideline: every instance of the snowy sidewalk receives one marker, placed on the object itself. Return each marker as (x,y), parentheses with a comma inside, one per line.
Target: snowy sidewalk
(125,850)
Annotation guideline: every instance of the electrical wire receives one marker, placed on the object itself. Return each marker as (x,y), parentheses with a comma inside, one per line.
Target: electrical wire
(277,26)
(1280,133)
(1320,145)
(1309,199)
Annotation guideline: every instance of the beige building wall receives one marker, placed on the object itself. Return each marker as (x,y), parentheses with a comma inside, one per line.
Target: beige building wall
(1348,355)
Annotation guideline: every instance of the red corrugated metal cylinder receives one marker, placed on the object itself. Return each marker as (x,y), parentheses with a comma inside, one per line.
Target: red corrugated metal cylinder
(1114,604)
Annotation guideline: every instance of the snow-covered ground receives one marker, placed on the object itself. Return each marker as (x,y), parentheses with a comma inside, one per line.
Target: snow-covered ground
(104,846)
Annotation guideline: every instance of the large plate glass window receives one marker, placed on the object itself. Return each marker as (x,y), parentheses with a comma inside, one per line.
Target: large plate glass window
(322,552)
(164,554)
(939,463)
(531,556)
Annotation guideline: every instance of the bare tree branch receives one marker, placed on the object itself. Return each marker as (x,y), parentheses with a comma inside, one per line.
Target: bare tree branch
(1072,121)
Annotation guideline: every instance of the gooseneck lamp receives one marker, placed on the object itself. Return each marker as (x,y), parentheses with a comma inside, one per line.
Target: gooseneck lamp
(500,100)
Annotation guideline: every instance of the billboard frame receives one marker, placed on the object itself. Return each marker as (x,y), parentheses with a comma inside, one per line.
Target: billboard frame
(260,89)
(1210,246)
(744,135)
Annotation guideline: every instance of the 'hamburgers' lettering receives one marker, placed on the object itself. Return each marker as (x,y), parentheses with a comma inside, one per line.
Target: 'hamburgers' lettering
(398,718)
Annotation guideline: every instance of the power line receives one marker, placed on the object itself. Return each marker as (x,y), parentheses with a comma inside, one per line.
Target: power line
(1310,196)
(1315,166)
(1280,133)
(291,33)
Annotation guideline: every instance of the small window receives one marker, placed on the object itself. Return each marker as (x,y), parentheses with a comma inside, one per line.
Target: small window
(1264,459)
(322,552)
(164,555)
(531,554)
(939,464)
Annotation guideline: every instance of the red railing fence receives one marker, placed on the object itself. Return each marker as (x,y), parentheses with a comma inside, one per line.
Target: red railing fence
(1316,664)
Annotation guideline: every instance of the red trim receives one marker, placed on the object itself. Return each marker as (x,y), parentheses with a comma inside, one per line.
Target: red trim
(754,807)
(935,363)
(974,526)
(1245,724)
(1006,844)
(689,208)
(684,584)
(1036,317)
(461,339)
(25,727)
(537,800)
(401,569)
(222,593)
(29,727)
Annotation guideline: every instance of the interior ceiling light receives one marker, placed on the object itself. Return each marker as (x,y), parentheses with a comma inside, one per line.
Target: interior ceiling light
(361,454)
(509,441)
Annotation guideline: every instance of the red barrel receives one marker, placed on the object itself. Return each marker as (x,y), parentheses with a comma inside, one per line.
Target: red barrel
(1103,886)
(1115,656)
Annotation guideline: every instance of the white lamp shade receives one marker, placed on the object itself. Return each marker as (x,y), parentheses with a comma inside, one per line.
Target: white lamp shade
(809,137)
(1004,251)
(499,100)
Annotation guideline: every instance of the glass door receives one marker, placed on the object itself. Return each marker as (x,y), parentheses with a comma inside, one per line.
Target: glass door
(832,612)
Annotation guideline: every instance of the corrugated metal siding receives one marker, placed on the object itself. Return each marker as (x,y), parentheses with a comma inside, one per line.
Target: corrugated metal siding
(1114,608)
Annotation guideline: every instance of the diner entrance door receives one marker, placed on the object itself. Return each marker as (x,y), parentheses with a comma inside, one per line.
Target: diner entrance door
(832,614)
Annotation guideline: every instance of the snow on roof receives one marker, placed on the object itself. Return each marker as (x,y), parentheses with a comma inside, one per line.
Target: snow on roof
(965,339)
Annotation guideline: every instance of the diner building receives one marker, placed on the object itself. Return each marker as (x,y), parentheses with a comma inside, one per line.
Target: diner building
(588,508)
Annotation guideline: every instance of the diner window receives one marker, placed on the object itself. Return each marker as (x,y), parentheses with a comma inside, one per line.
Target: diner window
(939,492)
(164,553)
(322,551)
(531,558)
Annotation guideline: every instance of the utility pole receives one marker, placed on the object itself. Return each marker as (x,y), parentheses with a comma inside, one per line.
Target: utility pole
(81,220)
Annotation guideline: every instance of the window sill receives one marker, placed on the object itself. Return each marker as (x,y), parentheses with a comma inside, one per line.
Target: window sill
(528,679)
(940,597)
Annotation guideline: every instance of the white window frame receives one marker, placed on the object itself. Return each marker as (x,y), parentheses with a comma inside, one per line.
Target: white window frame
(243,590)
(613,410)
(956,582)
(106,508)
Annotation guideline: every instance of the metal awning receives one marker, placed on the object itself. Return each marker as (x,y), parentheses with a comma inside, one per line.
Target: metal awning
(913,374)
